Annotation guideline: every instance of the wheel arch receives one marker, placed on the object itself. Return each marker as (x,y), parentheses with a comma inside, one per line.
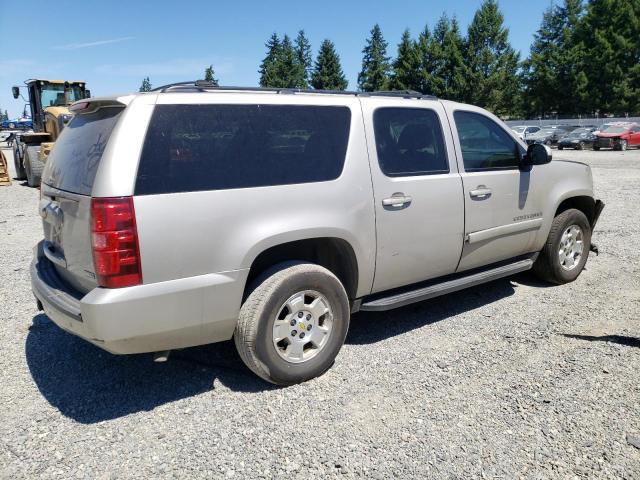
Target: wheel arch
(333,253)
(584,203)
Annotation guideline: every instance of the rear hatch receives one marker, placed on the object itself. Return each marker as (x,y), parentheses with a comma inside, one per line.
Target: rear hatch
(67,182)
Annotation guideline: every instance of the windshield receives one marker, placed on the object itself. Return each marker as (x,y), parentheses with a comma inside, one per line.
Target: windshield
(545,131)
(53,95)
(616,129)
(518,129)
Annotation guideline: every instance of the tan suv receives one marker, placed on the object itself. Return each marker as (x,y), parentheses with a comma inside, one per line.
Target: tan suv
(194,214)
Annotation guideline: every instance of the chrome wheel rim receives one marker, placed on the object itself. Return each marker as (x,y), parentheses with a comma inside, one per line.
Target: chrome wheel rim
(302,326)
(571,247)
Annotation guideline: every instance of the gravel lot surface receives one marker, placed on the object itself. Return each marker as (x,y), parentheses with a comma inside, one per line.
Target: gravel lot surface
(514,379)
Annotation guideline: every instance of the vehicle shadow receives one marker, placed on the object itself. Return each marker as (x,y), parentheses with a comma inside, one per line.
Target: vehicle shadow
(372,327)
(90,385)
(619,339)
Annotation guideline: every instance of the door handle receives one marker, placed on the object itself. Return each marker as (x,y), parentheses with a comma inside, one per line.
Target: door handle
(481,192)
(396,200)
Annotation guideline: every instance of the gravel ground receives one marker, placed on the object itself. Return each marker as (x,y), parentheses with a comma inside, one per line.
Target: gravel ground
(514,379)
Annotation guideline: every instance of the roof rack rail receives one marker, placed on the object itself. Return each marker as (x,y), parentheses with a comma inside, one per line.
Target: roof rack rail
(206,86)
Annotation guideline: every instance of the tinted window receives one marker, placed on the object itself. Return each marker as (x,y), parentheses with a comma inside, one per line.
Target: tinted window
(409,141)
(485,145)
(74,160)
(211,147)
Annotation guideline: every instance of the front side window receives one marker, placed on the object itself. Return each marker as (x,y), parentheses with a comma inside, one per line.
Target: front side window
(409,141)
(485,145)
(214,147)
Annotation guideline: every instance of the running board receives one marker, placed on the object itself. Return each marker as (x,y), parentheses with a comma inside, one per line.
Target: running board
(448,286)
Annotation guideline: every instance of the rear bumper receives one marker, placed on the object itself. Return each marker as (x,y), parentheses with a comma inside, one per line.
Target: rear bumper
(145,318)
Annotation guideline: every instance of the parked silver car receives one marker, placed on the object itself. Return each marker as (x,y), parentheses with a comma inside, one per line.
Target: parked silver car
(195,214)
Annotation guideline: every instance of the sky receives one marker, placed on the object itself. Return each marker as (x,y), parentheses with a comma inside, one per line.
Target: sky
(113,45)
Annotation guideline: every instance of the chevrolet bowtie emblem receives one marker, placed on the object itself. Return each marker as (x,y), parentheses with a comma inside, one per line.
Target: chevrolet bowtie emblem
(301,326)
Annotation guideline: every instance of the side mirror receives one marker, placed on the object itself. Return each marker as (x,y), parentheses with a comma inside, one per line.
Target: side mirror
(537,154)
(87,94)
(16,92)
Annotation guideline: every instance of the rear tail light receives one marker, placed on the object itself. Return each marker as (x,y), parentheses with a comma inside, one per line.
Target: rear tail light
(114,240)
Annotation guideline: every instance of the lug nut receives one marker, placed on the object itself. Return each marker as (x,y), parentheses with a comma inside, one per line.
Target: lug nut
(294,333)
(309,317)
(292,323)
(302,335)
(300,314)
(309,327)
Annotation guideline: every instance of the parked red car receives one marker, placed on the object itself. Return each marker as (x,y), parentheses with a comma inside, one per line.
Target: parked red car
(618,136)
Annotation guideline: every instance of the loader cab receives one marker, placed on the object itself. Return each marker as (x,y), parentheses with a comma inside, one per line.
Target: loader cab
(45,94)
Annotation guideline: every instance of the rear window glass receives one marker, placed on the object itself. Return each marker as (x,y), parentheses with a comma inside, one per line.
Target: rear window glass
(214,147)
(74,160)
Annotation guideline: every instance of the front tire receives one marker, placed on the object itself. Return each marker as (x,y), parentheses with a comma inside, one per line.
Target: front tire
(567,249)
(33,166)
(623,145)
(293,324)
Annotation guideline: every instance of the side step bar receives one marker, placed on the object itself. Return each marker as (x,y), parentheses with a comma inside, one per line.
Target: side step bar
(448,286)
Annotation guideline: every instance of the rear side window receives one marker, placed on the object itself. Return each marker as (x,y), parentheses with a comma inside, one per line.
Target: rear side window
(409,141)
(213,147)
(74,160)
(485,145)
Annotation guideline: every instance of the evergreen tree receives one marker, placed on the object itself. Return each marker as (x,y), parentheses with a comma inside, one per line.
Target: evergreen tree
(287,67)
(305,61)
(493,64)
(327,72)
(375,63)
(406,67)
(268,67)
(146,85)
(427,60)
(453,68)
(5,116)
(552,75)
(608,39)
(209,75)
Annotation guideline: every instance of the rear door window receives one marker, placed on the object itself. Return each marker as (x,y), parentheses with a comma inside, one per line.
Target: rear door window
(215,147)
(74,160)
(409,141)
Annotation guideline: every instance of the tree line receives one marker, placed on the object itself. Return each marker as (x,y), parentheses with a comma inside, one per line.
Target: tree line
(585,59)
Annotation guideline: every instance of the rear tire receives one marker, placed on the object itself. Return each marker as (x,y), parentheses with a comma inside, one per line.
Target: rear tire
(596,148)
(265,337)
(20,173)
(581,146)
(567,249)
(33,166)
(560,147)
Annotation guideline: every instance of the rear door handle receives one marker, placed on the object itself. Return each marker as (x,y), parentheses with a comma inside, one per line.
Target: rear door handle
(397,200)
(481,192)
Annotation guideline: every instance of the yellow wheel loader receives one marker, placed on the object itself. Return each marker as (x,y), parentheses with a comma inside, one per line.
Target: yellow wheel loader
(49,101)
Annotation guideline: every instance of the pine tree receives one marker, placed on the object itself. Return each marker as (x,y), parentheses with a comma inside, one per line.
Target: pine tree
(209,75)
(608,39)
(146,85)
(327,72)
(268,73)
(551,74)
(427,62)
(406,67)
(493,64)
(453,68)
(305,61)
(287,67)
(5,116)
(375,63)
